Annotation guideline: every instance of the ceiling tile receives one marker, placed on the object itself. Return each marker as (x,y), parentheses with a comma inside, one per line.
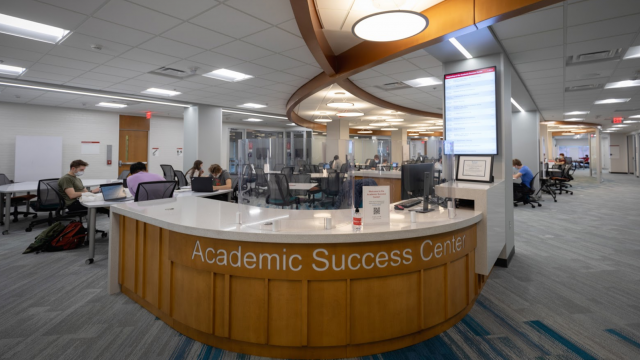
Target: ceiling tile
(425,62)
(88,83)
(280,77)
(109,31)
(291,26)
(380,80)
(157,79)
(272,11)
(15,62)
(301,53)
(25,44)
(410,75)
(258,82)
(53,69)
(43,13)
(602,29)
(108,70)
(65,62)
(542,74)
(604,44)
(215,60)
(149,57)
(275,39)
(85,42)
(50,76)
(278,62)
(585,12)
(332,19)
(102,77)
(535,22)
(305,71)
(242,50)
(183,9)
(540,65)
(534,41)
(365,75)
(79,54)
(82,6)
(136,17)
(536,55)
(395,67)
(229,21)
(19,54)
(251,69)
(197,36)
(131,65)
(171,47)
(189,85)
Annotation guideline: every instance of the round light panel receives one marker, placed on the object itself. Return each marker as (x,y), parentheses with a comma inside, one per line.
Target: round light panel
(390,25)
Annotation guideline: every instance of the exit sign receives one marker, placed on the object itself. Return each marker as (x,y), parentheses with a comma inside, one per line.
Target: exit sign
(617,120)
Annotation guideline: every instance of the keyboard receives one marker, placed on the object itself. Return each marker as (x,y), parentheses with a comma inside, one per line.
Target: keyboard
(410,203)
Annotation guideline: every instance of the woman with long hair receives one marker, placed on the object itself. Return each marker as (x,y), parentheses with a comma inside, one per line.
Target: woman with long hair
(195,171)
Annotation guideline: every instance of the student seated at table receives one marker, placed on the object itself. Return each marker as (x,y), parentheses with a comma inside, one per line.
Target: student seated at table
(71,187)
(375,162)
(560,159)
(336,163)
(524,174)
(221,178)
(438,164)
(195,171)
(586,159)
(139,175)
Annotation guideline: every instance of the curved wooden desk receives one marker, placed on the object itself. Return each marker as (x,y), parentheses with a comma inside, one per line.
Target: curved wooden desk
(319,294)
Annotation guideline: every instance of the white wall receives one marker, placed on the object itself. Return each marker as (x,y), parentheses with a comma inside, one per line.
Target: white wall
(73,125)
(167,134)
(525,127)
(620,165)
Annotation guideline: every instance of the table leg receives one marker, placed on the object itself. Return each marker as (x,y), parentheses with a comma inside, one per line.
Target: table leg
(91,229)
(7,213)
(1,209)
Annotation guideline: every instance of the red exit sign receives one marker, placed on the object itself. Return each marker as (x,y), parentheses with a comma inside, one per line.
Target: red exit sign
(617,120)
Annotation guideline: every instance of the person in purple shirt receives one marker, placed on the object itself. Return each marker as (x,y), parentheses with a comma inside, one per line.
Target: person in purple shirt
(139,175)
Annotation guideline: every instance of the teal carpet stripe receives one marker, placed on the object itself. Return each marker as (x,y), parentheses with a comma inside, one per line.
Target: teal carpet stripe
(623,337)
(540,326)
(474,326)
(183,347)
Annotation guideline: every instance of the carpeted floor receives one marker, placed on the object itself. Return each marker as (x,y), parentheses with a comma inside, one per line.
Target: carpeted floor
(571,292)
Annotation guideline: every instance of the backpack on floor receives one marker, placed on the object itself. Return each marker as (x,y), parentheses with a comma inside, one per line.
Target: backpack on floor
(71,237)
(45,237)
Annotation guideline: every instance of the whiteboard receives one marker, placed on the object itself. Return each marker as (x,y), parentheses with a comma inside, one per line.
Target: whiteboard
(38,157)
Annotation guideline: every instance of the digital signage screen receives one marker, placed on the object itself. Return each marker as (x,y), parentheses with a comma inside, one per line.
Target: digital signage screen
(470,115)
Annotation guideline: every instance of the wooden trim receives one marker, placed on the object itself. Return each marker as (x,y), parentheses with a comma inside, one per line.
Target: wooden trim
(373,132)
(128,122)
(310,27)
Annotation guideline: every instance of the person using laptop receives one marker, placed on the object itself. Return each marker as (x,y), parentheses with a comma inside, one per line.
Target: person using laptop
(221,178)
(139,175)
(71,187)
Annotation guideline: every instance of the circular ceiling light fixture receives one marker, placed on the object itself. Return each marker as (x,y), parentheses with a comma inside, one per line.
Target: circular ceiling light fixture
(322,120)
(350,113)
(365,132)
(412,134)
(390,25)
(378,124)
(340,104)
(394,120)
(389,129)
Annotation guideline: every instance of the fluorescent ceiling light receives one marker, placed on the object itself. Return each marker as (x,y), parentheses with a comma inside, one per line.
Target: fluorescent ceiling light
(161,92)
(11,70)
(567,133)
(630,121)
(426,132)
(619,125)
(634,117)
(632,53)
(350,113)
(434,127)
(365,132)
(253,106)
(252,120)
(227,75)
(412,134)
(423,82)
(576,113)
(611,101)
(324,113)
(394,120)
(340,104)
(389,129)
(390,25)
(362,127)
(378,124)
(460,48)
(111,105)
(92,94)
(246,113)
(292,124)
(516,105)
(31,29)
(574,119)
(622,84)
(323,120)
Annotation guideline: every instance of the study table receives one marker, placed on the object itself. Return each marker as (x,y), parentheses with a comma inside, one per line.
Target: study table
(278,284)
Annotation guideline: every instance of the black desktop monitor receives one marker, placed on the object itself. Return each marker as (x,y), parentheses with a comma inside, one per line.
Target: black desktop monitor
(412,183)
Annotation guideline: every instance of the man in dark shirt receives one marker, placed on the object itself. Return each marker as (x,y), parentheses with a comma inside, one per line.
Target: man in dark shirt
(71,187)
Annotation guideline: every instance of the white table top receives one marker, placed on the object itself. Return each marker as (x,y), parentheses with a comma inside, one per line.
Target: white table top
(301,186)
(217,219)
(102,203)
(33,185)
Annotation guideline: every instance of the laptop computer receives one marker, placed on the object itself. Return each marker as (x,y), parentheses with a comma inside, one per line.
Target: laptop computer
(202,184)
(114,192)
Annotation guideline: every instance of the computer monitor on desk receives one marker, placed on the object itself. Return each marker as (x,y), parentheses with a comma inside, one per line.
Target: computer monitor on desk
(412,184)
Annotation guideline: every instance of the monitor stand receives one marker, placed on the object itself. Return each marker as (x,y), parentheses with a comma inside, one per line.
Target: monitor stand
(426,191)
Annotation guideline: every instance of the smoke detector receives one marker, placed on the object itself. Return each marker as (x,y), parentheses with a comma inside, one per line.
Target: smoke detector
(96,47)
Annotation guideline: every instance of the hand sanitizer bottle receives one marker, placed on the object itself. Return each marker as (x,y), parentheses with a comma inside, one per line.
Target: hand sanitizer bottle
(357,221)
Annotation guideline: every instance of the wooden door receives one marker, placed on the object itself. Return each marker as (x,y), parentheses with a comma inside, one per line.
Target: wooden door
(134,141)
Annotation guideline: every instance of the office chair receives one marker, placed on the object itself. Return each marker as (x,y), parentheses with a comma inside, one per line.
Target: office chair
(560,182)
(248,178)
(287,171)
(46,201)
(526,196)
(182,180)
(331,186)
(68,215)
(545,183)
(344,168)
(169,173)
(17,200)
(279,193)
(155,190)
(278,167)
(301,179)
(123,175)
(315,169)
(261,184)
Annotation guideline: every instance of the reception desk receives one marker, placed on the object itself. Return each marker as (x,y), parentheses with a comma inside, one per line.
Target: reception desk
(393,179)
(300,291)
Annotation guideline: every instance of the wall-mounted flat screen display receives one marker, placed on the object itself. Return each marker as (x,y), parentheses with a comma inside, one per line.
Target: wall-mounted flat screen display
(470,119)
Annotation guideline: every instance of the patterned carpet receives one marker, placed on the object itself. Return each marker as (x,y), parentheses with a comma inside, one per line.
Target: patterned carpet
(571,292)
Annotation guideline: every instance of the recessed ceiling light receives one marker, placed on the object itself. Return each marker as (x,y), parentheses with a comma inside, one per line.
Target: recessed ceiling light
(426,81)
(355,137)
(394,120)
(434,127)
(252,120)
(390,25)
(161,92)
(413,134)
(362,127)
(11,70)
(576,113)
(350,113)
(389,129)
(253,106)
(516,105)
(340,104)
(634,117)
(632,53)
(111,105)
(574,119)
(227,75)
(323,120)
(31,29)
(379,124)
(567,133)
(426,132)
(631,121)
(611,101)
(247,113)
(619,125)
(365,132)
(460,48)
(340,93)
(622,84)
(292,124)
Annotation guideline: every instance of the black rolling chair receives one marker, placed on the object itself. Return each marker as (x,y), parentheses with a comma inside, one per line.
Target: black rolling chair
(63,214)
(287,171)
(315,168)
(248,177)
(524,196)
(279,193)
(261,184)
(182,180)
(331,186)
(123,175)
(301,179)
(17,201)
(344,168)
(169,173)
(155,190)
(46,201)
(561,182)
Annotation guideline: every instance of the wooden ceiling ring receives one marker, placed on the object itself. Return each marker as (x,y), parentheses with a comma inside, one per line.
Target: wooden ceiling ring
(572,123)
(310,28)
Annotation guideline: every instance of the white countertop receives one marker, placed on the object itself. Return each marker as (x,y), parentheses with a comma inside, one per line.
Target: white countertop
(378,174)
(176,194)
(33,185)
(217,219)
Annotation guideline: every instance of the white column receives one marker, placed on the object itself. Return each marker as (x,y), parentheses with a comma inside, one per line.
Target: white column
(337,136)
(203,137)
(526,139)
(398,144)
(600,153)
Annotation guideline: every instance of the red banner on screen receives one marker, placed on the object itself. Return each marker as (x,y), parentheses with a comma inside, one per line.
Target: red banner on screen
(470,73)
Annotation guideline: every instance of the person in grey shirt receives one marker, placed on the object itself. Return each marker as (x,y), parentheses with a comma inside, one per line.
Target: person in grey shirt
(336,163)
(221,178)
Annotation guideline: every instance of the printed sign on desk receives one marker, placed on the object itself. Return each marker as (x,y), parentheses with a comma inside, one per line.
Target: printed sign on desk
(375,203)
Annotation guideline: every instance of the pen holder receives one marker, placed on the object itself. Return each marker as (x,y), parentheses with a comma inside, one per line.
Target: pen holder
(413,216)
(327,223)
(275,225)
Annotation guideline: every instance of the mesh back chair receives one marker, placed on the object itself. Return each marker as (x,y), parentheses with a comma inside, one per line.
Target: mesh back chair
(123,175)
(182,180)
(155,190)
(16,201)
(169,173)
(261,181)
(331,186)
(63,214)
(47,201)
(524,196)
(315,169)
(278,192)
(248,177)
(287,171)
(300,179)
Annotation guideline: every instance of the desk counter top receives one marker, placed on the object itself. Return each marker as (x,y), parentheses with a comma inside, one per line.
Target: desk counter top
(217,219)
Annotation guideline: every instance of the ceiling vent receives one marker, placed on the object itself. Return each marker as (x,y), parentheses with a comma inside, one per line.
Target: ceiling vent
(175,73)
(393,86)
(594,57)
(583,87)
